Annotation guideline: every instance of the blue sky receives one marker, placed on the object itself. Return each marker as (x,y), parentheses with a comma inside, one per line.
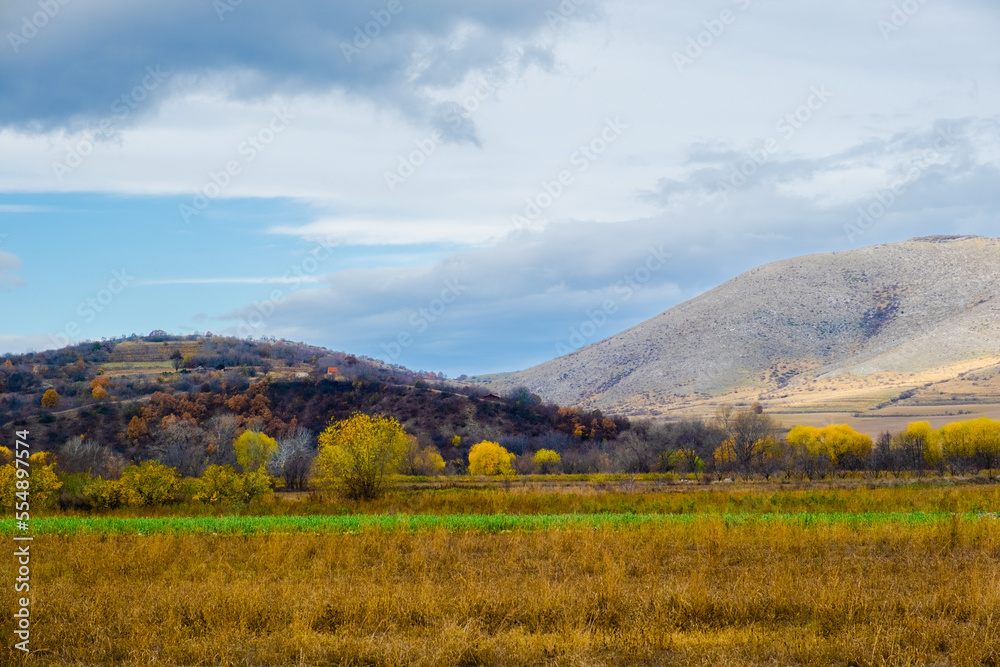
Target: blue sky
(474,187)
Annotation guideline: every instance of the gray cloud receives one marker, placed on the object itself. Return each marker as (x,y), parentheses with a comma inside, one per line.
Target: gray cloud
(523,298)
(72,69)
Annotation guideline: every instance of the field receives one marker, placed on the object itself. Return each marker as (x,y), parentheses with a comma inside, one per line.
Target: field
(844,573)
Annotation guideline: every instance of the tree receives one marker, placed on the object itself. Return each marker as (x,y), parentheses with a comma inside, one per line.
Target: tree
(489,458)
(222,484)
(150,483)
(221,431)
(293,458)
(918,445)
(137,429)
(99,387)
(42,482)
(254,450)
(884,458)
(50,399)
(746,429)
(358,454)
(180,444)
(419,460)
(547,461)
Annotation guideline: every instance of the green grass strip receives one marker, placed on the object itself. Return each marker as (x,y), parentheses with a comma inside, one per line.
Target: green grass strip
(476,523)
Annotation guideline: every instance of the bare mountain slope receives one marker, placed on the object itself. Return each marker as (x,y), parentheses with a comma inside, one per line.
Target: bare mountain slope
(898,308)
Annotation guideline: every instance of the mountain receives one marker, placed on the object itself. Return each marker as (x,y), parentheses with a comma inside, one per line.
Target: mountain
(864,321)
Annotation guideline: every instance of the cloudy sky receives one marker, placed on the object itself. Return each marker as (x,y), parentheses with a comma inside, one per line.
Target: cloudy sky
(464,186)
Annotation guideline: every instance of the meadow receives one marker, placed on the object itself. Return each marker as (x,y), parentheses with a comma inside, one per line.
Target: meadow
(750,574)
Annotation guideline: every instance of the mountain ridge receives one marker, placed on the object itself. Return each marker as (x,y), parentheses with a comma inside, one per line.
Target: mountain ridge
(895,308)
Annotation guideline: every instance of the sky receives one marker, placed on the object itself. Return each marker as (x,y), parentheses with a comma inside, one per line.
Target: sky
(467,187)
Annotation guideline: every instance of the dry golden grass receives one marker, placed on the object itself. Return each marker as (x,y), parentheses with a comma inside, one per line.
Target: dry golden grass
(698,593)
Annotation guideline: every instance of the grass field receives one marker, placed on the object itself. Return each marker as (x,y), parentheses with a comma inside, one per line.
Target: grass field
(475,523)
(904,574)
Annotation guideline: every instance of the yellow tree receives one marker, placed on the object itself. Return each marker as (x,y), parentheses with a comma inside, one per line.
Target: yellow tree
(489,458)
(50,399)
(254,449)
(921,432)
(150,483)
(99,387)
(421,460)
(847,448)
(970,444)
(358,455)
(546,461)
(42,482)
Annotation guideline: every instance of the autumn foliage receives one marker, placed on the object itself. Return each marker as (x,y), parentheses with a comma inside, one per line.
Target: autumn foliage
(358,454)
(489,458)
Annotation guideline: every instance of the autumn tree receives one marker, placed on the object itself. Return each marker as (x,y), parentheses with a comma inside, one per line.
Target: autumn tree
(918,446)
(222,484)
(547,461)
(419,460)
(99,387)
(150,483)
(42,481)
(489,458)
(137,429)
(50,399)
(254,450)
(746,430)
(357,455)
(815,449)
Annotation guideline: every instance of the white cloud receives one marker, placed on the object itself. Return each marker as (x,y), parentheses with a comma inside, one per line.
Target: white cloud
(9,265)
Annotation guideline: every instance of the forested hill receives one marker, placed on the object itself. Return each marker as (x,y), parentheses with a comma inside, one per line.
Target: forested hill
(177,398)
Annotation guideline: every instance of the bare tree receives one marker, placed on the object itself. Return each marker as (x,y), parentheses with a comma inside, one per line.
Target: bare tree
(747,429)
(221,431)
(293,458)
(180,444)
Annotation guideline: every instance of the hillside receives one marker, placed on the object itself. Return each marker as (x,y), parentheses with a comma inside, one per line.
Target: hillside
(867,323)
(176,398)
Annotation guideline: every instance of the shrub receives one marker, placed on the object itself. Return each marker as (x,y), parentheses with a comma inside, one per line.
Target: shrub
(489,458)
(109,494)
(424,461)
(547,461)
(151,483)
(42,482)
(220,484)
